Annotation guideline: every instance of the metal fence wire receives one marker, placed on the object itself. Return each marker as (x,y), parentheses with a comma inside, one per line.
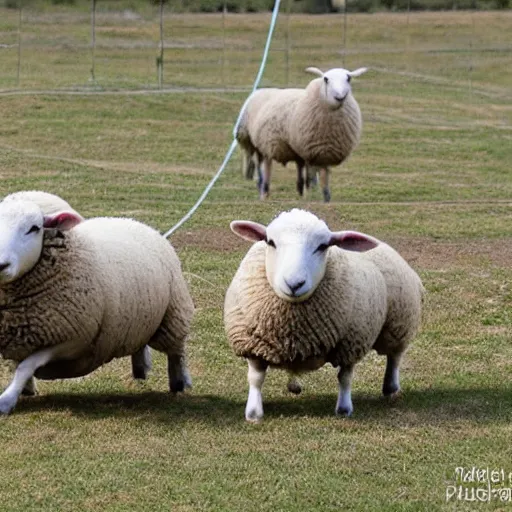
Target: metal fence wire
(72,49)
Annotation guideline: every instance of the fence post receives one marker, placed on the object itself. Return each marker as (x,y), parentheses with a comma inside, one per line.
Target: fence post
(343,54)
(93,41)
(287,52)
(19,44)
(470,67)
(223,64)
(160,58)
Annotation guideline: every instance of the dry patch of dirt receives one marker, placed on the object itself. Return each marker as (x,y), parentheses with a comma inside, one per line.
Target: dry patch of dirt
(434,255)
(211,239)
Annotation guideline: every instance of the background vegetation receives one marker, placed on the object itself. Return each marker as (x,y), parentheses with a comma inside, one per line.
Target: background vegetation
(297,6)
(431,176)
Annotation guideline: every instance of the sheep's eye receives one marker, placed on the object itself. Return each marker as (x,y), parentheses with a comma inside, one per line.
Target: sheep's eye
(326,80)
(33,229)
(271,243)
(321,248)
(349,78)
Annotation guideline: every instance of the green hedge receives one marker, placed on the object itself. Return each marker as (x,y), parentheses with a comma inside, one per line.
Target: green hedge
(305,6)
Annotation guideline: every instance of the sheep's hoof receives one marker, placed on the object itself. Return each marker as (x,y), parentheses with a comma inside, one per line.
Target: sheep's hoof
(253,416)
(139,373)
(344,412)
(6,406)
(264,191)
(327,196)
(177,385)
(295,388)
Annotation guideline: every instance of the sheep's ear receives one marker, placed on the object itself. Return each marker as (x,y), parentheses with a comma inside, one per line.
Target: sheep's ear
(62,220)
(248,230)
(315,71)
(358,72)
(353,241)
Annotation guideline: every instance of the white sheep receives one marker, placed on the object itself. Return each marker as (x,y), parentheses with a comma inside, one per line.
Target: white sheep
(318,126)
(54,204)
(75,294)
(304,296)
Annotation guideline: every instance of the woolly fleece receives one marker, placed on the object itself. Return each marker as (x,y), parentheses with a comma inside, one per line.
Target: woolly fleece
(113,285)
(365,300)
(294,125)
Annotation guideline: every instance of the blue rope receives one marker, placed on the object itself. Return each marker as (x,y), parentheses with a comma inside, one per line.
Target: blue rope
(232,148)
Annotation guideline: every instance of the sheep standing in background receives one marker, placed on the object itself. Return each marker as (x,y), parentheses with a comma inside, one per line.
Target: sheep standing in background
(318,126)
(71,300)
(304,296)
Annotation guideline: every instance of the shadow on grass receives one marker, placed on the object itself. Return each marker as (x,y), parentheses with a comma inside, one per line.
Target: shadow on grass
(413,408)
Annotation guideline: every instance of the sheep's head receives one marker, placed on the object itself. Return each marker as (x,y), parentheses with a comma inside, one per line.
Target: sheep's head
(297,247)
(335,85)
(21,235)
(49,203)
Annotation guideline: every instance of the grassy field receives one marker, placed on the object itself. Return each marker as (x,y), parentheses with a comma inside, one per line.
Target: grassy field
(432,177)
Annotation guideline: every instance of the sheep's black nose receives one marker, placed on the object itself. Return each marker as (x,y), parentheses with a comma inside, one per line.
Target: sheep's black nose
(3,266)
(296,286)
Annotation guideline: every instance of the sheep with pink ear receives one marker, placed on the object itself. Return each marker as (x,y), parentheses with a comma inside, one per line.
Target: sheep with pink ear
(305,296)
(75,294)
(53,204)
(318,126)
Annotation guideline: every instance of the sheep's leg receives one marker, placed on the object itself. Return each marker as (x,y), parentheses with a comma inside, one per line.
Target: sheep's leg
(311,179)
(251,167)
(26,369)
(300,179)
(258,162)
(30,388)
(324,182)
(255,377)
(391,384)
(260,178)
(265,183)
(179,376)
(245,162)
(344,405)
(294,385)
(141,363)
(248,165)
(171,338)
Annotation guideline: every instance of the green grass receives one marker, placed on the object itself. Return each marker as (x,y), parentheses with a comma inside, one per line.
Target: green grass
(431,176)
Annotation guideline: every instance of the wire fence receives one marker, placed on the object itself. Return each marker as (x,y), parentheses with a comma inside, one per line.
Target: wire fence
(72,49)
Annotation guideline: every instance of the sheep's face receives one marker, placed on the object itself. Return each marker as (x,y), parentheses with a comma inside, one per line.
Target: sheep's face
(296,256)
(335,86)
(21,238)
(297,249)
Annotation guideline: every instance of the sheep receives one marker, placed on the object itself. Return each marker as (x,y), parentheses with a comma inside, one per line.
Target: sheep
(49,203)
(53,204)
(76,294)
(304,296)
(318,126)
